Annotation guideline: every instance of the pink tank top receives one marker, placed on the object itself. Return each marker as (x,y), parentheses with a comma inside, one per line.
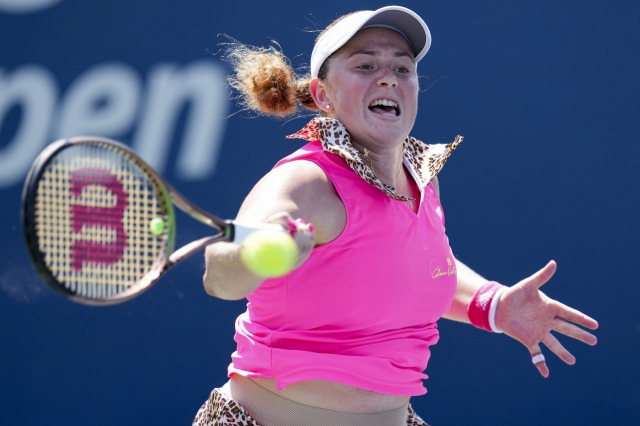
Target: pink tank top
(362,310)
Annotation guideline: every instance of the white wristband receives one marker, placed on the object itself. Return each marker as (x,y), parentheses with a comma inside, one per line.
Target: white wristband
(493,308)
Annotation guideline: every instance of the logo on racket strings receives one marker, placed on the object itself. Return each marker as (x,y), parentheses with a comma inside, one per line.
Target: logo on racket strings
(102,249)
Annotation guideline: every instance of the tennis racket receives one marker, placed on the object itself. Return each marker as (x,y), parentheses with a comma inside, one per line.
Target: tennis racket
(100,224)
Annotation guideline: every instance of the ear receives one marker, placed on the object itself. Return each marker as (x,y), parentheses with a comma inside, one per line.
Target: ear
(319,92)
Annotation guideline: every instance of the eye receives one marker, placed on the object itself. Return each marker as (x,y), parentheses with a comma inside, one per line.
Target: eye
(403,70)
(365,67)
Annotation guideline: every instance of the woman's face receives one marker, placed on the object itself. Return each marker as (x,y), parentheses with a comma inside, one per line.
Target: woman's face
(372,86)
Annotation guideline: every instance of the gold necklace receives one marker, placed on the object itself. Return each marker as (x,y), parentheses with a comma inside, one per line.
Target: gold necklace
(371,163)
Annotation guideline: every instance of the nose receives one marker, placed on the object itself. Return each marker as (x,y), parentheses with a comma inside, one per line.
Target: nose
(388,78)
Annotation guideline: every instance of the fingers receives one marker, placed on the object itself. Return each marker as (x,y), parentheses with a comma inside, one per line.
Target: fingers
(538,360)
(569,314)
(556,347)
(301,232)
(304,237)
(538,279)
(571,330)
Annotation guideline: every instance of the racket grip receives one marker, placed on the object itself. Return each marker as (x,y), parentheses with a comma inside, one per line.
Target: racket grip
(241,230)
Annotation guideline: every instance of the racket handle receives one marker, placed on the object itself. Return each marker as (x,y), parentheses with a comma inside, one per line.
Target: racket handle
(241,230)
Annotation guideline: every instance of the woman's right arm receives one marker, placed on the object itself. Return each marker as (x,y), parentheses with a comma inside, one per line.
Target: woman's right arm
(294,195)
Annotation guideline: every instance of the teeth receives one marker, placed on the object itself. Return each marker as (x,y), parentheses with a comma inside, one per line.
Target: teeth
(384,102)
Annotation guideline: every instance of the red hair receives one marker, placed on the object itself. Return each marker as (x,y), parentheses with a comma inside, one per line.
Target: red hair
(266,81)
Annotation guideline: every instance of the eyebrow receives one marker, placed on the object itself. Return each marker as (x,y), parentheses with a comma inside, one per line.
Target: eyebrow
(374,53)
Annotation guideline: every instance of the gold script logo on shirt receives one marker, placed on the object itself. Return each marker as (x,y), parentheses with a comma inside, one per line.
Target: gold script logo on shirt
(450,270)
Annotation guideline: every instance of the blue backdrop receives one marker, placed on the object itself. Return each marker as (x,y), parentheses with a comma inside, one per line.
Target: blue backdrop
(545,93)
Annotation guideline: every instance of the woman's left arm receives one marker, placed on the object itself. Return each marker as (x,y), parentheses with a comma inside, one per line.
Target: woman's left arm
(527,314)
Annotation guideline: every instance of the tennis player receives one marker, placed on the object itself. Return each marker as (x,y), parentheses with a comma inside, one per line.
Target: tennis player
(344,339)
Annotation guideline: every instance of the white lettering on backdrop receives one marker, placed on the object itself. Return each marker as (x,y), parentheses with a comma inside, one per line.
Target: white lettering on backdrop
(35,90)
(109,100)
(25,6)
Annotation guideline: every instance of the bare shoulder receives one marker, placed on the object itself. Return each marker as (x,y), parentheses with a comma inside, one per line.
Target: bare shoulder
(302,189)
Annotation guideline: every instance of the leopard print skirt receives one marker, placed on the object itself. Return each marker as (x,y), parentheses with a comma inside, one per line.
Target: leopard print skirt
(220,410)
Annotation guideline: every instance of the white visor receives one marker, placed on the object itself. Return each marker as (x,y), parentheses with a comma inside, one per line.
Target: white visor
(397,18)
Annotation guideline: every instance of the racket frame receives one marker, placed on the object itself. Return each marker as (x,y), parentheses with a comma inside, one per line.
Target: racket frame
(167,258)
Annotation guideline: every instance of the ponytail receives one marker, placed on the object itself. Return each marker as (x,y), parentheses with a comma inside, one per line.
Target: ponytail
(266,80)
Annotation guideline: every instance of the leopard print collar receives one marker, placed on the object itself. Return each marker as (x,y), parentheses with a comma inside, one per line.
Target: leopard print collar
(423,161)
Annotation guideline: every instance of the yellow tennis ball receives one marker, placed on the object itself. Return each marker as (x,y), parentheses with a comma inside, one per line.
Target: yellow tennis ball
(156,226)
(269,253)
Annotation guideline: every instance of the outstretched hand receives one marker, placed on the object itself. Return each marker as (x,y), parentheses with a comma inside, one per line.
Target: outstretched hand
(529,316)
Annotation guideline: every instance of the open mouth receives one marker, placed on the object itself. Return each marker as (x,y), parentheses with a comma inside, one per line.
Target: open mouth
(385,106)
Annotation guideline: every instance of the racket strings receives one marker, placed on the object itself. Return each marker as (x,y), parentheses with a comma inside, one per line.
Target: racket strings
(92,213)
